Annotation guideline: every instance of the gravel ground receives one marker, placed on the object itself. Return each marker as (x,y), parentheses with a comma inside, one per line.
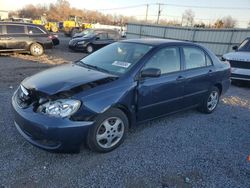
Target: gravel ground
(188,149)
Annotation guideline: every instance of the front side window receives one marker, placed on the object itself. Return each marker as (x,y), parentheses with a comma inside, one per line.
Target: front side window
(34,30)
(194,57)
(166,59)
(116,58)
(15,29)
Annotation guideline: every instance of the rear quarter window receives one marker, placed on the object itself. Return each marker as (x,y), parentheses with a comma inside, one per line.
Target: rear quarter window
(194,57)
(15,29)
(35,30)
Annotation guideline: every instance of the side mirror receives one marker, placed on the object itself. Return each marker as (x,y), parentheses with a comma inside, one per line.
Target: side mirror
(150,72)
(97,38)
(235,48)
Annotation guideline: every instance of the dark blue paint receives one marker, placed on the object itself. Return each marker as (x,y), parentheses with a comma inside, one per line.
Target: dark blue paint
(140,99)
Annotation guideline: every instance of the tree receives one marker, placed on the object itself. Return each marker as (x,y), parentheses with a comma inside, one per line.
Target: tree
(200,25)
(229,22)
(218,24)
(188,18)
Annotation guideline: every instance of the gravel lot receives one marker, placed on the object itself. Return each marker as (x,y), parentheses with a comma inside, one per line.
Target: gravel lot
(188,149)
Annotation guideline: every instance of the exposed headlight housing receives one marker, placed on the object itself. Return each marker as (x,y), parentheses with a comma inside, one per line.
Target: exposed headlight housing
(60,108)
(81,42)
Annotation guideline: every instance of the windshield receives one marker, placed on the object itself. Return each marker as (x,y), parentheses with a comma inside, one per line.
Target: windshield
(245,45)
(116,58)
(87,31)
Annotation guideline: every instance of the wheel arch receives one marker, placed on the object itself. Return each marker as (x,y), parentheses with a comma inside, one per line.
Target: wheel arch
(126,111)
(219,86)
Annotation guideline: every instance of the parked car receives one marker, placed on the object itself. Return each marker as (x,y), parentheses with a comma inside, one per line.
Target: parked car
(24,37)
(94,41)
(98,98)
(239,61)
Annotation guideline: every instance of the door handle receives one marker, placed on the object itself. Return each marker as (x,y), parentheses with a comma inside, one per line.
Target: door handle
(180,78)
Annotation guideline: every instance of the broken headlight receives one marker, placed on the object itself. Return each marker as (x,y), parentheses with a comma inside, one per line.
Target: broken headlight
(60,108)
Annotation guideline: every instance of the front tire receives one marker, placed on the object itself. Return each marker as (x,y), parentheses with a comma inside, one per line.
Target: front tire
(90,49)
(36,49)
(210,102)
(109,131)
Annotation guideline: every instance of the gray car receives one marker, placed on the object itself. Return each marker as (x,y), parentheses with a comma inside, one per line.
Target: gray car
(24,37)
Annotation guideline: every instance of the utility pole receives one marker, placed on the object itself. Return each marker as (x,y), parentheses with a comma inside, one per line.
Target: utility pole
(159,13)
(147,13)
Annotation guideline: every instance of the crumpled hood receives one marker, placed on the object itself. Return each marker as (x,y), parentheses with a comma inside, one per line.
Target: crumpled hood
(237,56)
(63,78)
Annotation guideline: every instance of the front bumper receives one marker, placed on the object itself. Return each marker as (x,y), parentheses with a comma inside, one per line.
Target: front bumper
(240,74)
(50,133)
(77,47)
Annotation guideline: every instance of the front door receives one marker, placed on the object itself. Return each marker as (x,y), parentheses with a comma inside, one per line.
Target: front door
(161,95)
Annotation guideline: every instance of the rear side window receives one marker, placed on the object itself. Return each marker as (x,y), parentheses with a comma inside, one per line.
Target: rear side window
(194,57)
(103,36)
(113,36)
(166,59)
(34,30)
(15,29)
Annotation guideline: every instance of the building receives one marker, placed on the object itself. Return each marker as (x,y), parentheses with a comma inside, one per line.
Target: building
(4,14)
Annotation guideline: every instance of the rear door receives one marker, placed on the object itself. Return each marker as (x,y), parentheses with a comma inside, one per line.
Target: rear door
(161,95)
(101,40)
(198,73)
(16,37)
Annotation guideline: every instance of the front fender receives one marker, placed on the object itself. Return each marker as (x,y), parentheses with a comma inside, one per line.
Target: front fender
(100,102)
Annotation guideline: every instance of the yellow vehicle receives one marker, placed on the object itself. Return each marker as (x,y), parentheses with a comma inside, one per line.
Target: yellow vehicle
(50,26)
(74,25)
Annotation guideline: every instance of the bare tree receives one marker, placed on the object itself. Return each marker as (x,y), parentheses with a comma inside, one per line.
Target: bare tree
(229,22)
(188,17)
(218,24)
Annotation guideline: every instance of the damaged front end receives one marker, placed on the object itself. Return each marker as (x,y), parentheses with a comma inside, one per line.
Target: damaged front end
(60,104)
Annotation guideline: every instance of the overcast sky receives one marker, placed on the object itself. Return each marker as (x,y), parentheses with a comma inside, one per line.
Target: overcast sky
(168,12)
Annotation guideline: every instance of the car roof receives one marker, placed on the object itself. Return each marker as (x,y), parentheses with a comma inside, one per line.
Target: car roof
(156,41)
(19,23)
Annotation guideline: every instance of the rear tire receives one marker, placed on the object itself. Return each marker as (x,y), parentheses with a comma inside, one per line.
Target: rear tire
(109,131)
(210,102)
(36,49)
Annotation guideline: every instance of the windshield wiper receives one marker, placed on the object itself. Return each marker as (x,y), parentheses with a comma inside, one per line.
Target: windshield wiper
(94,67)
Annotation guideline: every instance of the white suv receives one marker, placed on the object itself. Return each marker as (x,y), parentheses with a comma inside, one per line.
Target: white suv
(239,61)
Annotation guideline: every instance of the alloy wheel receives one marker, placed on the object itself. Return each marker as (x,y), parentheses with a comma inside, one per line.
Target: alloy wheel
(213,100)
(110,132)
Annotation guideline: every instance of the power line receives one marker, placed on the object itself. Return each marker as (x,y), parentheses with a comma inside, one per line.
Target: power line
(207,7)
(176,5)
(119,8)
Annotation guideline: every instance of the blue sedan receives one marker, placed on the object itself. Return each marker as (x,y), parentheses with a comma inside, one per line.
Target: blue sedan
(98,98)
